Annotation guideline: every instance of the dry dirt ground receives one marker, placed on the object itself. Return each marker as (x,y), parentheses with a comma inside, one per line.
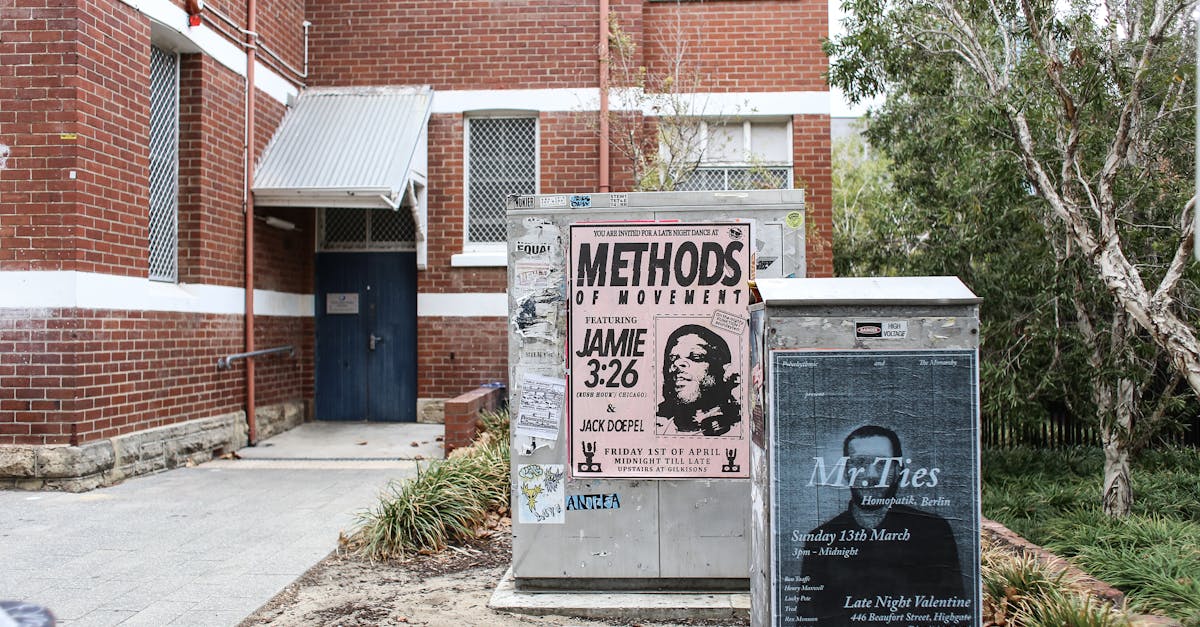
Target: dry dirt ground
(452,589)
(448,589)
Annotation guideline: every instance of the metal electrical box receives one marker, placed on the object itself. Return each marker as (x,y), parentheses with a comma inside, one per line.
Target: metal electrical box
(628,365)
(865,466)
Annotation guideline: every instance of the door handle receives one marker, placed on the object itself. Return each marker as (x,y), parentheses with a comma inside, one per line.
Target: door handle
(374,339)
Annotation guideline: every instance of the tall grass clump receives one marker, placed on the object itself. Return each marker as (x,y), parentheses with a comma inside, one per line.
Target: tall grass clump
(448,502)
(1154,558)
(1153,555)
(1020,591)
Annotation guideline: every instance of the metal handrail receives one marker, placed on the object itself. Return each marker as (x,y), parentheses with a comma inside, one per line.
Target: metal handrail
(227,361)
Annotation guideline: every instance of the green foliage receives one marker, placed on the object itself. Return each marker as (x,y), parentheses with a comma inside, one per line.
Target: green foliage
(1009,578)
(496,423)
(947,188)
(1153,555)
(904,212)
(1058,608)
(1157,556)
(1021,591)
(446,503)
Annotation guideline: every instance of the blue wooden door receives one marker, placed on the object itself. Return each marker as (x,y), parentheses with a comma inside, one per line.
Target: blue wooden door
(366,319)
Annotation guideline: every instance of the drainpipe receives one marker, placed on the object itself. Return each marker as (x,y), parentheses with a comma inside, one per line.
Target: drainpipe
(604,186)
(248,203)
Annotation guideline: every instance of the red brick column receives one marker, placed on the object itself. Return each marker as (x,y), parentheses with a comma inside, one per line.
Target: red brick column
(462,415)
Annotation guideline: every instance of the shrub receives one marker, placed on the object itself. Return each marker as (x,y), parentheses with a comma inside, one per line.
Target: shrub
(1153,555)
(446,503)
(1020,591)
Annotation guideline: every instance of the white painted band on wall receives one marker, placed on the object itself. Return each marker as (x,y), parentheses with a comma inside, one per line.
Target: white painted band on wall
(785,103)
(462,305)
(88,290)
(477,259)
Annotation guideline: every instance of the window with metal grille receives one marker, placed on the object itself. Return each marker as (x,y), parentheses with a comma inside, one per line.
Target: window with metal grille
(743,155)
(164,164)
(501,160)
(367,229)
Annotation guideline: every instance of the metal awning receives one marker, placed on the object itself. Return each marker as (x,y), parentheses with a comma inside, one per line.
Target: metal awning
(358,147)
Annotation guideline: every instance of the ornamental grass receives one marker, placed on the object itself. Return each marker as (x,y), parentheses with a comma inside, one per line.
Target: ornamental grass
(448,501)
(1152,555)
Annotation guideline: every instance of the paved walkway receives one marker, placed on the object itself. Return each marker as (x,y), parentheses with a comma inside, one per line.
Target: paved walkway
(203,546)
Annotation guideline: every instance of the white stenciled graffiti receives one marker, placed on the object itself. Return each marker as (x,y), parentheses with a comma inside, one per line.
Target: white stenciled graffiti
(4,153)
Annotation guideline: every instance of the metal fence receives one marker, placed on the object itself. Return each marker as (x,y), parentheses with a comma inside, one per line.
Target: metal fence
(1061,430)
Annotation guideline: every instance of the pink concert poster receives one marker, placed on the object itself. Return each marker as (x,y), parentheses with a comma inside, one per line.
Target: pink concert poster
(659,350)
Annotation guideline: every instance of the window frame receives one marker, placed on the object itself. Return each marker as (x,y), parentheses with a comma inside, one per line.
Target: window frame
(172,238)
(486,251)
(748,162)
(367,243)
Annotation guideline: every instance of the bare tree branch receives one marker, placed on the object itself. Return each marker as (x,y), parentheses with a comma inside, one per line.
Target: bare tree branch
(1183,253)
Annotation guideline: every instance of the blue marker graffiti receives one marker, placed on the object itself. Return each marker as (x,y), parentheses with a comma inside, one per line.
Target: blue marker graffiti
(593,501)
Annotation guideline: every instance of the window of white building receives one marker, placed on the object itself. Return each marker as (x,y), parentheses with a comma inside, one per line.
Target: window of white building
(742,155)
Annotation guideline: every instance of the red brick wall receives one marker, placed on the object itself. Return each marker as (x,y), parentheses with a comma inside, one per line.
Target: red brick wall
(463,415)
(570,159)
(280,29)
(83,68)
(78,375)
(750,45)
(85,375)
(468,44)
(211,219)
(459,354)
(211,222)
(279,378)
(445,220)
(455,354)
(38,109)
(75,376)
(445,200)
(113,79)
(279,25)
(813,171)
(479,346)
(283,260)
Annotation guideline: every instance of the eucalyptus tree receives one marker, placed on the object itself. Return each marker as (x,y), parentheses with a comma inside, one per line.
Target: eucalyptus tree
(1090,106)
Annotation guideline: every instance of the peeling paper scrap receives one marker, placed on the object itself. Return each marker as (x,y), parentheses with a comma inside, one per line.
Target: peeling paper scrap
(528,445)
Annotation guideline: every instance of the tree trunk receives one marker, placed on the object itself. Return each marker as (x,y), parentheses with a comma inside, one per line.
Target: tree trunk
(1114,402)
(1117,497)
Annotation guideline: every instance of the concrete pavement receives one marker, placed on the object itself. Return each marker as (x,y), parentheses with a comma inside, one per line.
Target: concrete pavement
(207,545)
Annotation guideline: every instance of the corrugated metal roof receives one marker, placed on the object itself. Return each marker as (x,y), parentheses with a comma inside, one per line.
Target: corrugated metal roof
(344,147)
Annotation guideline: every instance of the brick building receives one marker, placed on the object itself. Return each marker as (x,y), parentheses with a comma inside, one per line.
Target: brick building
(380,140)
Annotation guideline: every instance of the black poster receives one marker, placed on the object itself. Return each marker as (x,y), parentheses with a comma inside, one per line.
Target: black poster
(875,506)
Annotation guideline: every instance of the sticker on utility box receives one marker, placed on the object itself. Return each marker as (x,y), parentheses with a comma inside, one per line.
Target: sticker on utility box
(886,330)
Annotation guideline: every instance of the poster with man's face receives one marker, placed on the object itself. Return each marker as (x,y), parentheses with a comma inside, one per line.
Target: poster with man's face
(875,502)
(659,350)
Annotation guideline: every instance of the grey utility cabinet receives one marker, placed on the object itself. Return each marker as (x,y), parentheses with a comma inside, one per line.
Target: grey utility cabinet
(601,288)
(865,464)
